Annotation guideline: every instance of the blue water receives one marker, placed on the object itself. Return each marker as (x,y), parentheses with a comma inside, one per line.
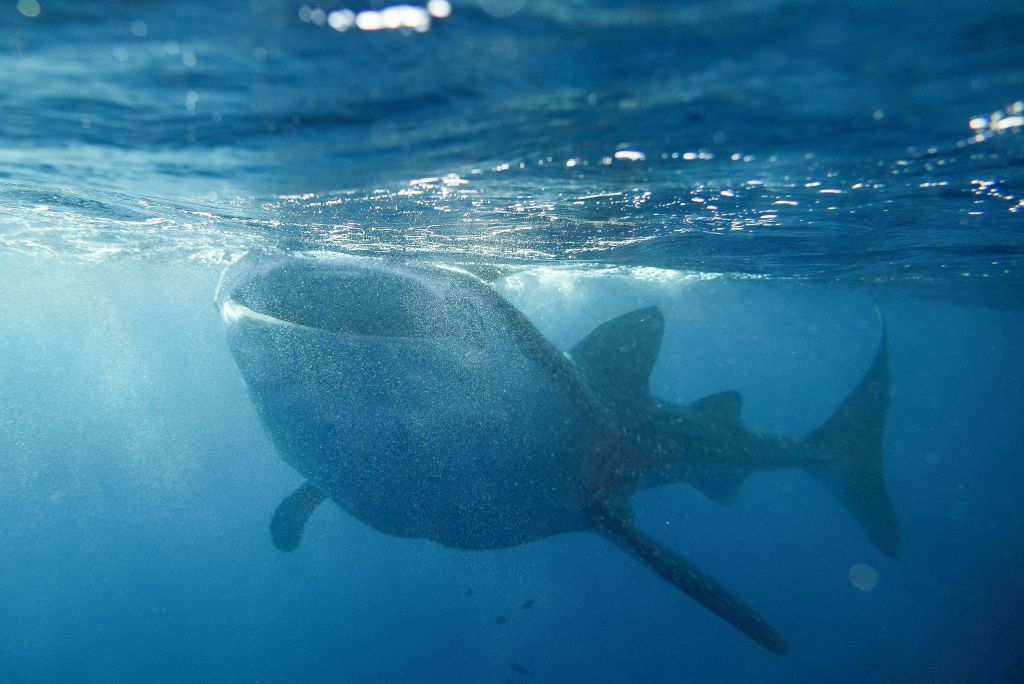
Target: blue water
(766,172)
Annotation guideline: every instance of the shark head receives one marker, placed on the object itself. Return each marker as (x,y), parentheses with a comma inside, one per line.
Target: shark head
(383,382)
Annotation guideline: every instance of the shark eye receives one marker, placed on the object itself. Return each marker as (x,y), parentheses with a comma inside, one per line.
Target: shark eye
(363,302)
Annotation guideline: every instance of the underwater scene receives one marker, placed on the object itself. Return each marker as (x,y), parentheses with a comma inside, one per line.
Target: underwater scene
(511,341)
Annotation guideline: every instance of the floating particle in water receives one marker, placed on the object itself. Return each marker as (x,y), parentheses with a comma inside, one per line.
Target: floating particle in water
(501,620)
(863,576)
(528,603)
(520,669)
(469,592)
(30,8)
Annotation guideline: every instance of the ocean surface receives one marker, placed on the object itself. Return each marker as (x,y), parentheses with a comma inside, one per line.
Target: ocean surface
(772,175)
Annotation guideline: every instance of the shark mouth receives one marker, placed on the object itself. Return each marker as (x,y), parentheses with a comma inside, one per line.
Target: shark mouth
(361,299)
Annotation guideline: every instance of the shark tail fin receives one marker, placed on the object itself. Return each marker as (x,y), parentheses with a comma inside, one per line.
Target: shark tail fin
(688,578)
(850,444)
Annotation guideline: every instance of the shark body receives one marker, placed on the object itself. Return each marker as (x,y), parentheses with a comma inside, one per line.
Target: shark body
(425,404)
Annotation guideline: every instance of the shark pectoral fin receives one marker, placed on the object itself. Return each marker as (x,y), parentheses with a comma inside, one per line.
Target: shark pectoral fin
(618,355)
(691,580)
(291,515)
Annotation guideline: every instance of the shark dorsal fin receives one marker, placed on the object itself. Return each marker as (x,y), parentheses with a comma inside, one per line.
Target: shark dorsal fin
(618,355)
(722,406)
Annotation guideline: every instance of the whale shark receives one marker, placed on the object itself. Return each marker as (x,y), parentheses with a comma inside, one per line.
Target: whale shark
(422,402)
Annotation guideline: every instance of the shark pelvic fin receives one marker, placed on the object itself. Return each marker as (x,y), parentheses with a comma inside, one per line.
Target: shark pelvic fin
(291,515)
(721,407)
(851,445)
(690,579)
(617,356)
(720,486)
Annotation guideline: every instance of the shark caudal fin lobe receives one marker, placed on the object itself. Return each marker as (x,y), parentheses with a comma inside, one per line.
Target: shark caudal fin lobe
(689,579)
(850,443)
(291,515)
